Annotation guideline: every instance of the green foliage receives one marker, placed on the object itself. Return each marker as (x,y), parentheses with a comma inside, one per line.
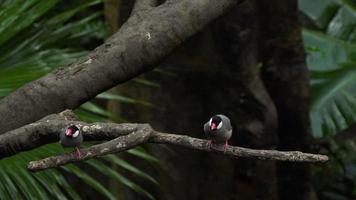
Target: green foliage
(332,63)
(337,179)
(36,37)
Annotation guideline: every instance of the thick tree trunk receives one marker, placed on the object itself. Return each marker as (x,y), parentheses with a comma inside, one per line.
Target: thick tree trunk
(286,76)
(215,72)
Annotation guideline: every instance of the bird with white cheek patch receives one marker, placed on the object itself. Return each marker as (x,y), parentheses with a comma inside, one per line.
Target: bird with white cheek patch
(71,137)
(218,130)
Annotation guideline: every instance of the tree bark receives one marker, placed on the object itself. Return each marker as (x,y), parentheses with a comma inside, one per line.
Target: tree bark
(286,76)
(213,72)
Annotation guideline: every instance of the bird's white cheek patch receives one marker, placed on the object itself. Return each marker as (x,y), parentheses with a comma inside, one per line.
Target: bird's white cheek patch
(76,134)
(211,119)
(220,125)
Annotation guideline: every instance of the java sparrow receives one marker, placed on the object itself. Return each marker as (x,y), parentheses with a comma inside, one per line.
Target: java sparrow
(71,137)
(218,130)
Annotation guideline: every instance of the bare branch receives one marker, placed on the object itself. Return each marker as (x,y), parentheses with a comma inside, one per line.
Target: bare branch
(145,133)
(143,5)
(113,146)
(47,130)
(126,136)
(199,144)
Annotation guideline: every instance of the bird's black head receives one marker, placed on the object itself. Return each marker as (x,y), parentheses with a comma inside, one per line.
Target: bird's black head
(215,122)
(72,131)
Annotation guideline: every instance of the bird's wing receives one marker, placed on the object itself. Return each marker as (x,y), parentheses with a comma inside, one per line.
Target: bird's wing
(229,134)
(206,129)
(229,127)
(62,136)
(226,122)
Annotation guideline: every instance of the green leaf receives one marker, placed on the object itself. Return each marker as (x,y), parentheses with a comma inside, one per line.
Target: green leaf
(122,163)
(320,11)
(121,98)
(37,37)
(331,51)
(146,82)
(18,23)
(330,107)
(142,153)
(96,109)
(51,187)
(111,173)
(343,23)
(67,14)
(331,59)
(64,184)
(88,180)
(9,185)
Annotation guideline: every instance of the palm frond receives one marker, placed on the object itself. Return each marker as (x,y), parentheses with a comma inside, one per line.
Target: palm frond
(118,177)
(331,59)
(33,38)
(332,62)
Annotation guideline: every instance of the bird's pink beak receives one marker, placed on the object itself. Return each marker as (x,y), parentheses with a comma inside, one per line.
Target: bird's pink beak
(69,132)
(213,126)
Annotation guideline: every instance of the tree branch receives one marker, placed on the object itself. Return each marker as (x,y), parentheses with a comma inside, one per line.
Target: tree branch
(148,135)
(143,6)
(118,144)
(122,137)
(47,130)
(234,151)
(139,45)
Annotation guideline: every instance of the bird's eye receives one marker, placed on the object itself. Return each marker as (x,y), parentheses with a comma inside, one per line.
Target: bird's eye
(76,134)
(220,125)
(211,119)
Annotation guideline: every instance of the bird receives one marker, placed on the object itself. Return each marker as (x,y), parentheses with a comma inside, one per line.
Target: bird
(218,130)
(71,136)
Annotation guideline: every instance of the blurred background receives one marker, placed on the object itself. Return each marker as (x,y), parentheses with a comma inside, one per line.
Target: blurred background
(249,64)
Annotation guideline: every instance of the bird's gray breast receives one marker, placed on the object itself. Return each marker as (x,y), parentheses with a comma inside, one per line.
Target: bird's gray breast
(70,142)
(218,136)
(221,135)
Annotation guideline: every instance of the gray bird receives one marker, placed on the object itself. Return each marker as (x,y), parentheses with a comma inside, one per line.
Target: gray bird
(71,137)
(218,130)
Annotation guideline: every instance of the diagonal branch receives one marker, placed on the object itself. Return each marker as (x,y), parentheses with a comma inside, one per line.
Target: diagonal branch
(118,144)
(139,45)
(47,130)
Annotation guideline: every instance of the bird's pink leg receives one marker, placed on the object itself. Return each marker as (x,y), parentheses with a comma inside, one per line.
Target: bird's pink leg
(210,142)
(226,145)
(77,152)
